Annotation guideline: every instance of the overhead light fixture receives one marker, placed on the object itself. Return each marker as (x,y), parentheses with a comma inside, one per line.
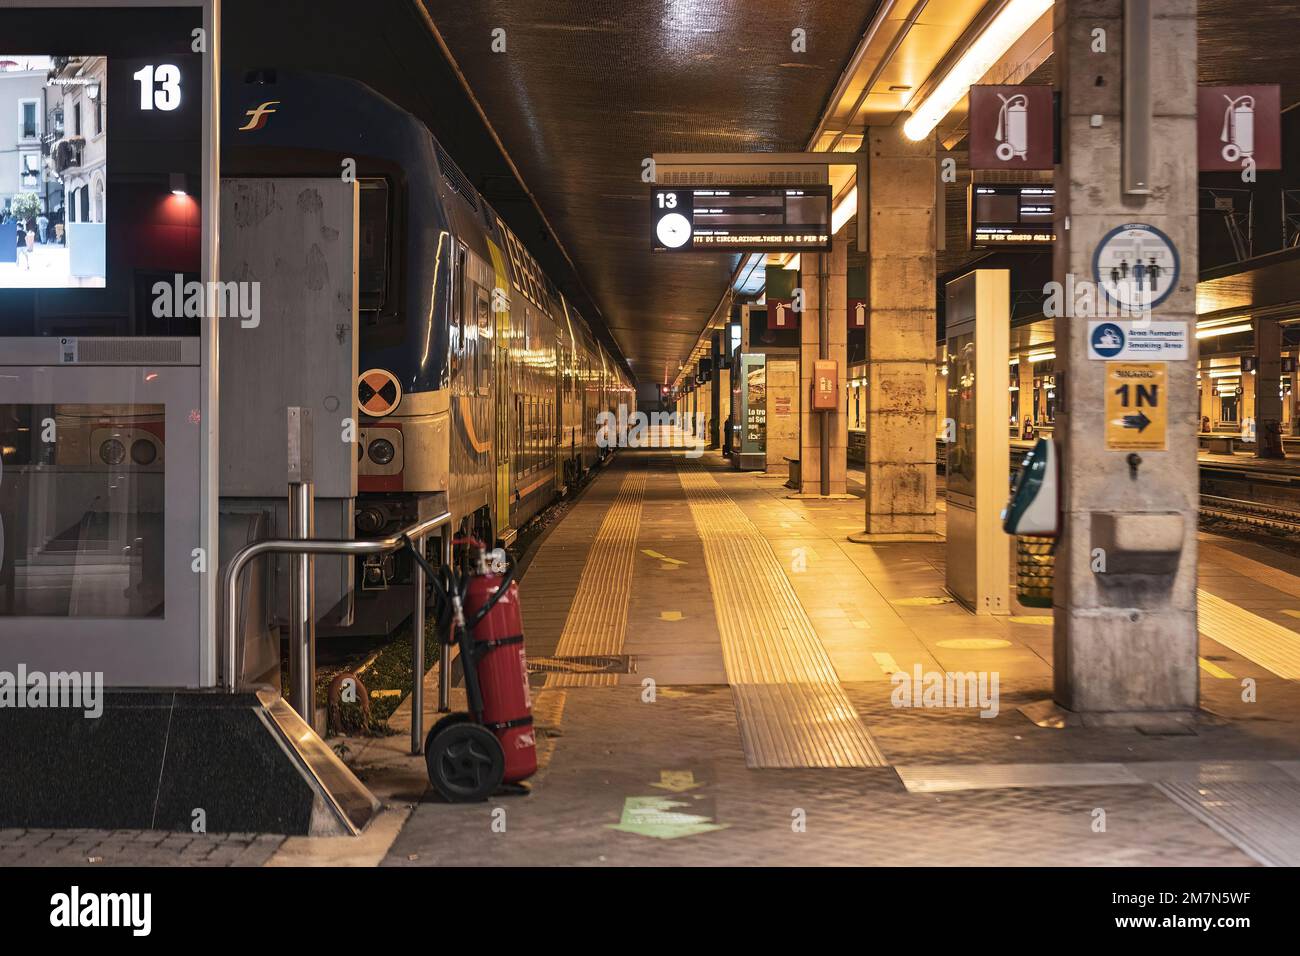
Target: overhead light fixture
(793,262)
(1223,330)
(177,183)
(845,210)
(1003,30)
(1045,356)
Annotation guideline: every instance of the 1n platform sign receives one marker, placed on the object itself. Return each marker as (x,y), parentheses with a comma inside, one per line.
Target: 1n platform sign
(1136,406)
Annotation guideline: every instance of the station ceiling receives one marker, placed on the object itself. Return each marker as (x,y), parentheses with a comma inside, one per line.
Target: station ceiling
(554,130)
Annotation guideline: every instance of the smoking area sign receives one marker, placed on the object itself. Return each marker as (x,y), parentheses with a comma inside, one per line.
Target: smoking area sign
(1136,406)
(1165,341)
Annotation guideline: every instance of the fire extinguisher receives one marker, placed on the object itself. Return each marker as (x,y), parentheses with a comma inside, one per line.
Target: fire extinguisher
(1012,132)
(501,666)
(1238,133)
(470,755)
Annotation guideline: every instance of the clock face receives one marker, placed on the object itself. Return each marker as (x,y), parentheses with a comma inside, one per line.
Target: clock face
(673,230)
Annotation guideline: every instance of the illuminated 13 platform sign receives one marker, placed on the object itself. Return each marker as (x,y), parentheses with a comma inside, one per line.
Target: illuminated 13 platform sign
(741,218)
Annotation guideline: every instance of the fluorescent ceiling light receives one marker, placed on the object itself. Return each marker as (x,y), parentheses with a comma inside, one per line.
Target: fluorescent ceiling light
(1040,356)
(1004,30)
(1222,330)
(793,262)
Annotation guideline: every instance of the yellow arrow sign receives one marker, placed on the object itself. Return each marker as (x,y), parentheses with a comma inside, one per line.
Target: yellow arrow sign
(676,781)
(670,615)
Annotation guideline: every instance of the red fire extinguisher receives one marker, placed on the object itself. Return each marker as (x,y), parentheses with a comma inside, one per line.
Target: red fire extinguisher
(469,755)
(502,670)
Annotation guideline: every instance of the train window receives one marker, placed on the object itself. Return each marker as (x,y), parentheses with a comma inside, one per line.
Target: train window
(458,304)
(372,244)
(482,345)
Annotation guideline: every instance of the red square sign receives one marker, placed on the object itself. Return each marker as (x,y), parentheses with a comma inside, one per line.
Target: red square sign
(1011,127)
(1237,126)
(781,314)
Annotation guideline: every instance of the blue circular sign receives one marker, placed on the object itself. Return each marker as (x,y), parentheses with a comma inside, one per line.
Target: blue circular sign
(1137,266)
(1108,340)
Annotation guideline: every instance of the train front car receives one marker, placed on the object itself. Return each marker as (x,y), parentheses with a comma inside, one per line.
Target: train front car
(424,280)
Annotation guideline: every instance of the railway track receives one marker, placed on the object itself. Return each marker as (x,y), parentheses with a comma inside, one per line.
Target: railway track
(1251,513)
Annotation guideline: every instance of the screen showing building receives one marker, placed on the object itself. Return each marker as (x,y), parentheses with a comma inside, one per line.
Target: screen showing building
(53,195)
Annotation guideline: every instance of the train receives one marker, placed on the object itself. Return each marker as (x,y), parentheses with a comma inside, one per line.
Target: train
(479,381)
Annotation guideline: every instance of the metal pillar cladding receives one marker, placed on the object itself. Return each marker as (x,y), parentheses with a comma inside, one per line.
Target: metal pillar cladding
(978,328)
(302,591)
(1125,630)
(1268,389)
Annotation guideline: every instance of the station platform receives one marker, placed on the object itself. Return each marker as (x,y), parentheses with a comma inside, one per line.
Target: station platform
(713,672)
(714,660)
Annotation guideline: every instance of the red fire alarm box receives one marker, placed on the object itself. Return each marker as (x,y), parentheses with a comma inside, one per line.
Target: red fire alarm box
(826,385)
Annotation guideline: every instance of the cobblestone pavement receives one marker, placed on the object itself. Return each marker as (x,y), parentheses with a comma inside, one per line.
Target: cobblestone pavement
(134,848)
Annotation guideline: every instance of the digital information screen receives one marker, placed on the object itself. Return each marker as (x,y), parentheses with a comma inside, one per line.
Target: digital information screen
(1011,215)
(741,219)
(99,199)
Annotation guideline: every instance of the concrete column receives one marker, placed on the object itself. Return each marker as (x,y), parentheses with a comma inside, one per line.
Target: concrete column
(1268,382)
(1125,642)
(836,267)
(901,420)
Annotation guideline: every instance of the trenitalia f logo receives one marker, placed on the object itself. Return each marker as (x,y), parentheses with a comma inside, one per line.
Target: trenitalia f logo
(257,117)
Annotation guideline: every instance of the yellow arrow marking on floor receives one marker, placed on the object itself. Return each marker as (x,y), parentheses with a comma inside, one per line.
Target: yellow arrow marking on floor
(670,615)
(661,557)
(921,601)
(887,663)
(677,781)
(1213,669)
(1031,619)
(1289,613)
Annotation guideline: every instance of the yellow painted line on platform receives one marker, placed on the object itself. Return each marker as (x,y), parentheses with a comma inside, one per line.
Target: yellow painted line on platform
(1213,669)
(790,706)
(670,615)
(921,601)
(597,621)
(1268,644)
(1044,619)
(887,663)
(1290,613)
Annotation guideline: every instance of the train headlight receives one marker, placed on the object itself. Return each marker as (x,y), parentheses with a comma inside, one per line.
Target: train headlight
(381,451)
(143,452)
(112,452)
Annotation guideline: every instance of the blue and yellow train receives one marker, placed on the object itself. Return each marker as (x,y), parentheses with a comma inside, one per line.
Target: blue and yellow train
(478,380)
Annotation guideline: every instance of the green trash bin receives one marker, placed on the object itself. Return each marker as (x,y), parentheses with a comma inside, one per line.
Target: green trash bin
(1035,567)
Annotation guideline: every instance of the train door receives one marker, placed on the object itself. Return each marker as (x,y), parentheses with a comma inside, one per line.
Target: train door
(504,402)
(503,389)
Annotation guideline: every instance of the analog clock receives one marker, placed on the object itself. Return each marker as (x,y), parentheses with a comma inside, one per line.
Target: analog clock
(673,230)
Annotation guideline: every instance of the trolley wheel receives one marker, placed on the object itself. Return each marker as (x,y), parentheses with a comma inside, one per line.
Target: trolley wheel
(465,760)
(445,721)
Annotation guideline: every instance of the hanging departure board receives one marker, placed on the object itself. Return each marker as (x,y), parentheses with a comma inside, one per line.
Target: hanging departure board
(741,219)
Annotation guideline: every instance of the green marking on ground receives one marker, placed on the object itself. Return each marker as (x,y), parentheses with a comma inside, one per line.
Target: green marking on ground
(655,817)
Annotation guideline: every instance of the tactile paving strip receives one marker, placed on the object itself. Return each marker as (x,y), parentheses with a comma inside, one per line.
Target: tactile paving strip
(1262,819)
(597,620)
(790,706)
(1269,645)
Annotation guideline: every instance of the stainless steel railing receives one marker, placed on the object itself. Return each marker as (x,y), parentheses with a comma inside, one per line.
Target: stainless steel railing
(416,532)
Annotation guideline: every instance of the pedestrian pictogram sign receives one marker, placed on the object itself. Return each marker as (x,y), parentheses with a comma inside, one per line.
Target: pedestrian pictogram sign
(1136,406)
(378,392)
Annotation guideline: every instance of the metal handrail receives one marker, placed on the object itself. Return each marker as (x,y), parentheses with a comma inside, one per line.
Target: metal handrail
(347,546)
